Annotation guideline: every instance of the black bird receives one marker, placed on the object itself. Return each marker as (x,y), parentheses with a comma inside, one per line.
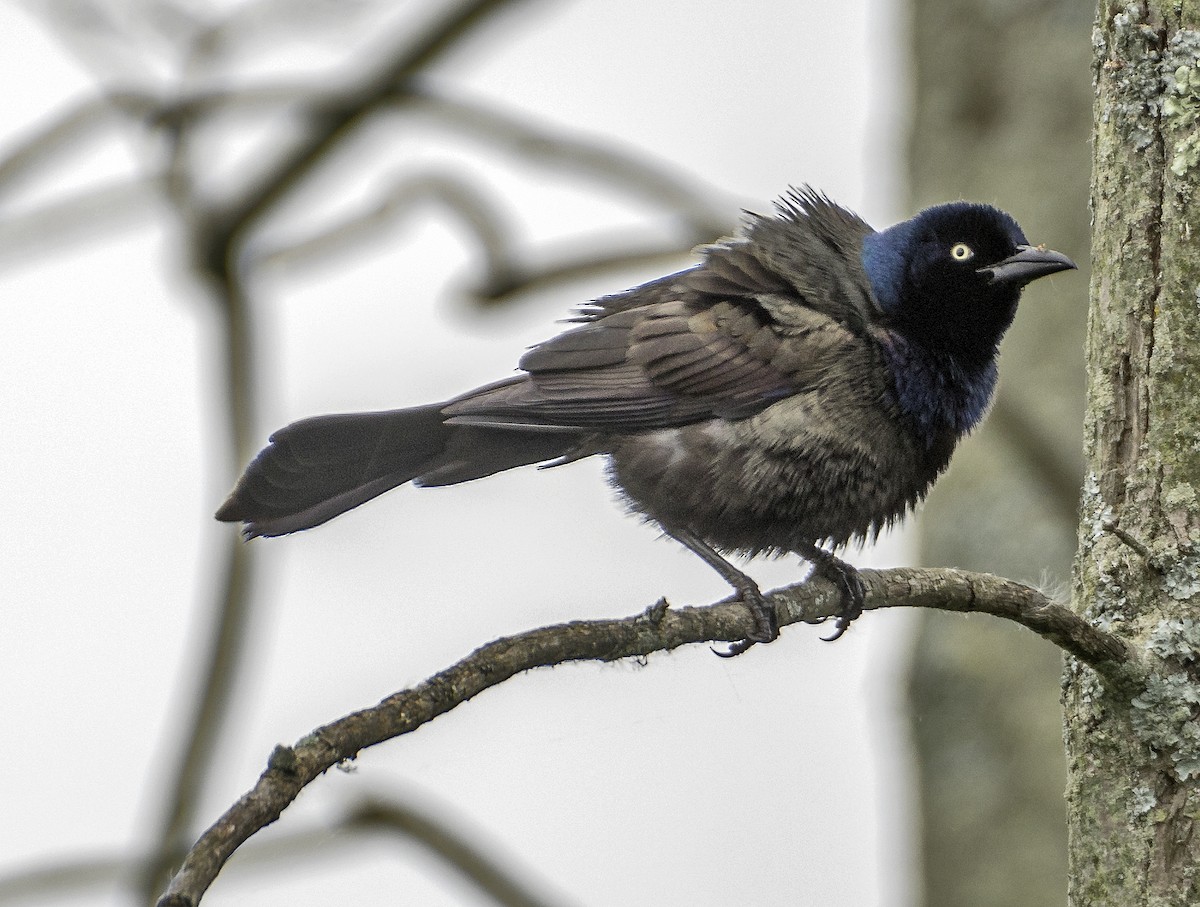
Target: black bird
(802,386)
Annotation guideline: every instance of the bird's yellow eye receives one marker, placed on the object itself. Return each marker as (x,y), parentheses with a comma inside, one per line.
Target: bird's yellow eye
(960,251)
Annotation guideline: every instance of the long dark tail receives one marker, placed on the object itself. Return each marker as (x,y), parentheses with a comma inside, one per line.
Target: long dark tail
(318,468)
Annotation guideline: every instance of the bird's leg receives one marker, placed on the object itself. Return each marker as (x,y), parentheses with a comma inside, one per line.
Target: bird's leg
(766,624)
(842,575)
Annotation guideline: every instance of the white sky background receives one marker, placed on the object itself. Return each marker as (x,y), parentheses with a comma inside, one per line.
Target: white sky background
(775,778)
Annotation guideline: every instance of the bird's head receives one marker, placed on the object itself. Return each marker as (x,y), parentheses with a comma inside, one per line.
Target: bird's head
(950,277)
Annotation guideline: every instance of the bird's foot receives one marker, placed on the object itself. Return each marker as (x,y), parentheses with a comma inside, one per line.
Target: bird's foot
(766,623)
(846,578)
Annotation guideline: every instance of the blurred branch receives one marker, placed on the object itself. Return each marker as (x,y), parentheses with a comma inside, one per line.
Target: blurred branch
(473,207)
(332,119)
(704,217)
(1060,476)
(55,880)
(79,218)
(660,628)
(218,672)
(505,272)
(584,264)
(65,133)
(254,24)
(93,32)
(505,275)
(89,119)
(221,657)
(376,814)
(486,874)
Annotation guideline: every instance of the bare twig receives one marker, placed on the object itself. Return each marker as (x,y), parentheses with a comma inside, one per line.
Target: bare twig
(291,768)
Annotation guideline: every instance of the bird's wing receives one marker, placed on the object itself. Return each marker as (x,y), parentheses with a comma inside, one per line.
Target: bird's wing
(764,316)
(706,347)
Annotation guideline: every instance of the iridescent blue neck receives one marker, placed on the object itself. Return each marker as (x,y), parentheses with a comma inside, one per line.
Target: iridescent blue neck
(885,260)
(936,390)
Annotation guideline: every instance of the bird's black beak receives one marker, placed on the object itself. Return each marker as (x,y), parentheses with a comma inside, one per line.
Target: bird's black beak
(1029,263)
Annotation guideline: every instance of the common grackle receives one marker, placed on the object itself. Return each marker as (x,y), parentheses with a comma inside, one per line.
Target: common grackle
(800,387)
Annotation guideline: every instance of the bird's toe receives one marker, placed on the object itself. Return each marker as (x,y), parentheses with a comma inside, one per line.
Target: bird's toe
(766,622)
(853,591)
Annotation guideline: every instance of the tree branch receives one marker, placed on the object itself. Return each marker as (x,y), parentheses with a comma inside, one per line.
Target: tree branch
(658,629)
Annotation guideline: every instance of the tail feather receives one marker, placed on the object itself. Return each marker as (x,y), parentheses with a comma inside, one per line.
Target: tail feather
(318,468)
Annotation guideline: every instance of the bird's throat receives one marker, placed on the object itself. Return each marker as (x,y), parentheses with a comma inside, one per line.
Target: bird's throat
(939,391)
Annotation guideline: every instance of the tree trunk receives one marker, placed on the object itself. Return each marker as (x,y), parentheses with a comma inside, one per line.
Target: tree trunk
(1002,114)
(1134,755)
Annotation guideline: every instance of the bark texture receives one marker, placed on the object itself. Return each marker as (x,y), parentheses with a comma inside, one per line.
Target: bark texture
(1002,113)
(1134,757)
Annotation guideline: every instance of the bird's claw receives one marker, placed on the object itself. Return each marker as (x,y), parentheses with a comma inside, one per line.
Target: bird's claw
(766,622)
(853,590)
